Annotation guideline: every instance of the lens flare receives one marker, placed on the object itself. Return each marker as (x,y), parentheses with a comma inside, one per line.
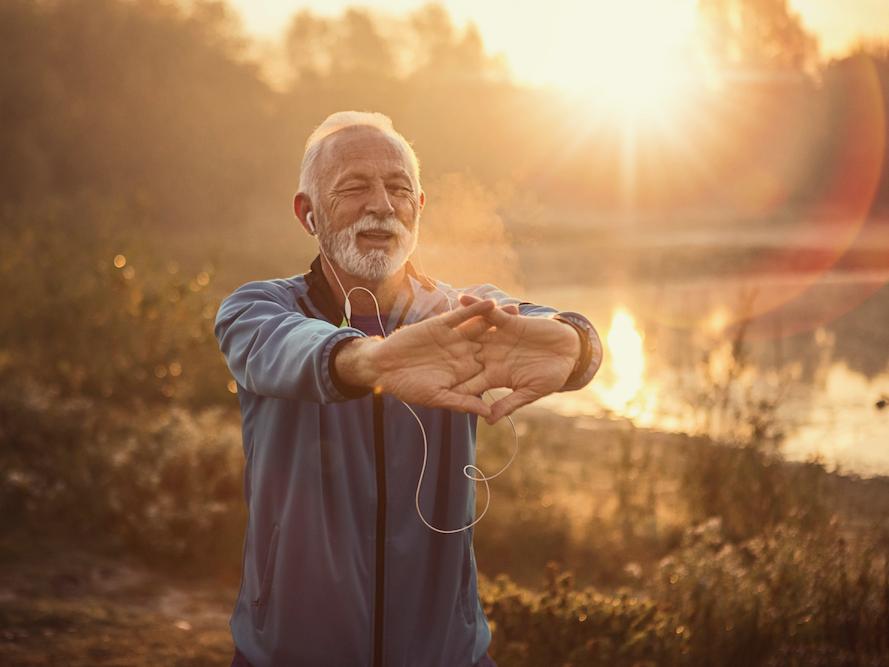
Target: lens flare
(806,263)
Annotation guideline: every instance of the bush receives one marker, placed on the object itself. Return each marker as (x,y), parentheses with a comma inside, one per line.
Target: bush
(162,484)
(93,313)
(751,490)
(567,627)
(786,592)
(789,597)
(736,471)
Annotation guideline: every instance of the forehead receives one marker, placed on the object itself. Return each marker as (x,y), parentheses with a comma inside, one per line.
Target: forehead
(362,148)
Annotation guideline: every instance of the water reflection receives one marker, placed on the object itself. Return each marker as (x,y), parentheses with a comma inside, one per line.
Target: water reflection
(627,368)
(843,423)
(824,408)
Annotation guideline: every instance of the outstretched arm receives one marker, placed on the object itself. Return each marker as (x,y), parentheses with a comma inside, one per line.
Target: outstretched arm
(274,350)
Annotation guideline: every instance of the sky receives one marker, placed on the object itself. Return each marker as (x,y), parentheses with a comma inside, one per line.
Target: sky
(524,31)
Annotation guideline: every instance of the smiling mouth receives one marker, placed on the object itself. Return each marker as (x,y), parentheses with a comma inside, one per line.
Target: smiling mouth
(377,235)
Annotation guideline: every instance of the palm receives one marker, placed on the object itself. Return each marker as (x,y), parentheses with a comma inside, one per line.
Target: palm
(533,356)
(424,362)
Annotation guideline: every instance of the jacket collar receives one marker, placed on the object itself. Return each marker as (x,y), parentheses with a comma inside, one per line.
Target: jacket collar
(322,297)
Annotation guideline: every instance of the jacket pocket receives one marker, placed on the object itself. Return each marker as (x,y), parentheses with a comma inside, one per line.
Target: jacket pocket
(261,603)
(467,599)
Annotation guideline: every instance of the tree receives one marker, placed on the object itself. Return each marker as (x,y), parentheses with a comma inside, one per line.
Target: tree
(758,34)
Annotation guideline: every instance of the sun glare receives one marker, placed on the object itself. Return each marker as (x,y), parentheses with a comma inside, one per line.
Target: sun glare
(625,388)
(633,57)
(626,359)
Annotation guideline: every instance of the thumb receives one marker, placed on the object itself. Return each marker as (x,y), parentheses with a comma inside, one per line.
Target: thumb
(510,403)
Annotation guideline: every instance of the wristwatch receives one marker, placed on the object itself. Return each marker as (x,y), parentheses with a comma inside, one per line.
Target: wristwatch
(586,351)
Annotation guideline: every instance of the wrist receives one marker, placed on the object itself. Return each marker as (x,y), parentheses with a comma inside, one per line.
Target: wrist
(354,363)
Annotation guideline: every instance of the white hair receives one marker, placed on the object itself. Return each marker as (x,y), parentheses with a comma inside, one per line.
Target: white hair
(308,178)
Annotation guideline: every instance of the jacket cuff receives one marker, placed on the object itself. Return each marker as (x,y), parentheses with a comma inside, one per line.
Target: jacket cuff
(341,389)
(590,354)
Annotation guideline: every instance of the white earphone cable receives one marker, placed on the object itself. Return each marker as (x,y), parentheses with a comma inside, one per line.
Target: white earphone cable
(482,477)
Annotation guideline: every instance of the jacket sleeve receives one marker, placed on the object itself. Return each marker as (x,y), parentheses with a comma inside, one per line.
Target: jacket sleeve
(580,323)
(273,349)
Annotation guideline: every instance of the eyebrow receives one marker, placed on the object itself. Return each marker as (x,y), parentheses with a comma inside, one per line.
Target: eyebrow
(365,176)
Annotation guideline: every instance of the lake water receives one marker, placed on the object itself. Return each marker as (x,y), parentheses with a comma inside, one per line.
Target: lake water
(825,334)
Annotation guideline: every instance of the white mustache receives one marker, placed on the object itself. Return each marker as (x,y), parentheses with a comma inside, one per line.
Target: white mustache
(390,225)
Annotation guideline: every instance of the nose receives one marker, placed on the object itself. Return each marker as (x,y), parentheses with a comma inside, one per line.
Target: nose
(379,203)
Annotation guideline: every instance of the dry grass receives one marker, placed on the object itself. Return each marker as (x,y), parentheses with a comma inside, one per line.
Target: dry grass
(61,605)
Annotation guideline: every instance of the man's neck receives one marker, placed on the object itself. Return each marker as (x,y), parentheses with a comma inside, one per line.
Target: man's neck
(385,291)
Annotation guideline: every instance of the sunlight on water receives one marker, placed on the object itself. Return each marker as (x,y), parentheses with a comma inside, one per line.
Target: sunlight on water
(622,386)
(627,361)
(718,320)
(833,416)
(843,424)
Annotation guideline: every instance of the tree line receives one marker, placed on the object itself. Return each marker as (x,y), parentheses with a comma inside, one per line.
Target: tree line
(166,109)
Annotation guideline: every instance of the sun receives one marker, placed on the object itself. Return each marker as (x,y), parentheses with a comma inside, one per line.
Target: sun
(632,59)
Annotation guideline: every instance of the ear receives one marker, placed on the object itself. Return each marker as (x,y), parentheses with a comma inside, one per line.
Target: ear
(301,208)
(422,199)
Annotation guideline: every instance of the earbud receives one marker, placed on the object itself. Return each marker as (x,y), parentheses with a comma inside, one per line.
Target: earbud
(310,222)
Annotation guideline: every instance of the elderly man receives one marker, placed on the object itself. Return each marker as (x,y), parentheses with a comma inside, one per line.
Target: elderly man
(350,558)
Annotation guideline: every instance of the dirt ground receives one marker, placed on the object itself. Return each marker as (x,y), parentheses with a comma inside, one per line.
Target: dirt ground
(74,608)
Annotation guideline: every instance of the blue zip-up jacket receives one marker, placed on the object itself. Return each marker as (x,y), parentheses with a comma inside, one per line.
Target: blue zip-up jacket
(338,569)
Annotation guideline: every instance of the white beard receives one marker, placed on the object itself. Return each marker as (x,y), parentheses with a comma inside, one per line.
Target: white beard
(376,264)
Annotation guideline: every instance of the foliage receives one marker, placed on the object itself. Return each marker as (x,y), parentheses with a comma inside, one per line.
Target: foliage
(568,627)
(743,480)
(160,484)
(761,33)
(137,101)
(107,358)
(785,592)
(95,314)
(785,597)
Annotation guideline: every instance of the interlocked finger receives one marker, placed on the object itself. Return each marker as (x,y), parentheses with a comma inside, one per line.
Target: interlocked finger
(466,403)
(474,385)
(474,327)
(457,317)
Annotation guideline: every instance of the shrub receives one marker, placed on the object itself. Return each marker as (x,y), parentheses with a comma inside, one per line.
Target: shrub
(567,627)
(736,471)
(93,313)
(787,591)
(162,484)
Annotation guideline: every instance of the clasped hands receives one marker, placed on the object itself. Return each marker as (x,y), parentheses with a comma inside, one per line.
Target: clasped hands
(448,361)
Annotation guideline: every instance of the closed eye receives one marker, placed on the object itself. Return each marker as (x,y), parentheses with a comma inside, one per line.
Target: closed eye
(353,190)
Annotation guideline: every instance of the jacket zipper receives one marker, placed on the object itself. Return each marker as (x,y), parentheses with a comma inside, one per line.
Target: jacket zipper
(380,465)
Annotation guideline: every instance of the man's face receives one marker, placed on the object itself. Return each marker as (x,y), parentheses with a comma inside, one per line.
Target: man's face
(369,204)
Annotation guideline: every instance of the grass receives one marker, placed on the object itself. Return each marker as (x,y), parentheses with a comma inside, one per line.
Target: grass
(65,605)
